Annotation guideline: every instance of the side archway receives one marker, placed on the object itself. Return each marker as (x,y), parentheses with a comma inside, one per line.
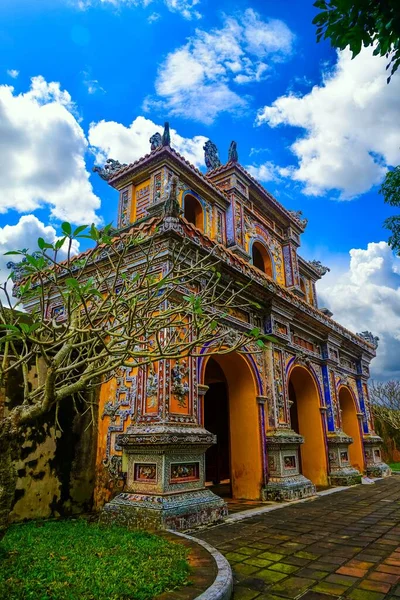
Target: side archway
(351,426)
(261,258)
(193,211)
(307,420)
(241,414)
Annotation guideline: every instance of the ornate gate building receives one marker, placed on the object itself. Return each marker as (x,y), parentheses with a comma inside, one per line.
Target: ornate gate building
(273,424)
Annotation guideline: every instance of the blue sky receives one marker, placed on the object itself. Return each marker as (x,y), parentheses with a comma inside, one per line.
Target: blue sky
(318,129)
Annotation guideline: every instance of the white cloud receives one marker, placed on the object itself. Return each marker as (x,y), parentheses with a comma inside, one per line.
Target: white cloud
(366,296)
(184,7)
(196,81)
(24,235)
(352,125)
(154,17)
(92,85)
(268,171)
(13,73)
(110,139)
(42,149)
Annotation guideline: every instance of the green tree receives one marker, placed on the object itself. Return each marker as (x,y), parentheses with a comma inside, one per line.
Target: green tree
(131,300)
(358,23)
(390,189)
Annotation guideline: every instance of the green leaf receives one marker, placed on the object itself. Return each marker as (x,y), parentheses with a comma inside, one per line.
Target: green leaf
(255,331)
(59,243)
(72,282)
(25,327)
(79,230)
(66,228)
(13,252)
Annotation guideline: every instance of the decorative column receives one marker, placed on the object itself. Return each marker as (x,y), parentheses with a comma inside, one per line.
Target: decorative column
(341,472)
(375,467)
(164,454)
(285,482)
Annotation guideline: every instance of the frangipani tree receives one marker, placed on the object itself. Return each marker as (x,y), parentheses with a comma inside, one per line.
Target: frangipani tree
(132,299)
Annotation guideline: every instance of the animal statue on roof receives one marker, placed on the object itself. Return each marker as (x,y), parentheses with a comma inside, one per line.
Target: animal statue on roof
(155,141)
(233,153)
(211,157)
(319,267)
(109,169)
(370,338)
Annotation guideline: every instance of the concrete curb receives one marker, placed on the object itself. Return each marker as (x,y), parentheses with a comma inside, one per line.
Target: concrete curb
(222,587)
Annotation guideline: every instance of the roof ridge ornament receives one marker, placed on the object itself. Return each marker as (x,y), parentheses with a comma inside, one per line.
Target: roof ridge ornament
(166,137)
(319,267)
(370,338)
(109,169)
(211,157)
(298,216)
(233,153)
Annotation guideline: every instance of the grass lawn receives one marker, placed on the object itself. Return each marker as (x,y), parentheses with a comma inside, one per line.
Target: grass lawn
(395,466)
(76,560)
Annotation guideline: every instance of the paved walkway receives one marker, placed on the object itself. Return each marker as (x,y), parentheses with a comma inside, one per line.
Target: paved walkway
(343,545)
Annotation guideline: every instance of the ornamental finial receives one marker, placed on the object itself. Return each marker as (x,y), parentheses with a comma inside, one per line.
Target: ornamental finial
(211,157)
(171,207)
(233,153)
(166,137)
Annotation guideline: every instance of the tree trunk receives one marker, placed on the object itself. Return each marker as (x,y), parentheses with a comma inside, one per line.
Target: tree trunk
(8,476)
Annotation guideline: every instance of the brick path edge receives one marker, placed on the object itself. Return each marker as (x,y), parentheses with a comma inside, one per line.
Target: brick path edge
(222,587)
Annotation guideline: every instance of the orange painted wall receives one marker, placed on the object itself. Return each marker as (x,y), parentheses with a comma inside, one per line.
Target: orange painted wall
(313,451)
(245,443)
(350,425)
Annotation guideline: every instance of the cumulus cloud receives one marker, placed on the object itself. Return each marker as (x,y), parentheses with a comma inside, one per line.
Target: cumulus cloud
(110,139)
(351,123)
(205,76)
(267,171)
(366,296)
(13,73)
(187,8)
(42,146)
(24,235)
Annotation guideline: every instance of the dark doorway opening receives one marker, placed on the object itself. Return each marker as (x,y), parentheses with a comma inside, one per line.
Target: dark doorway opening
(294,415)
(216,420)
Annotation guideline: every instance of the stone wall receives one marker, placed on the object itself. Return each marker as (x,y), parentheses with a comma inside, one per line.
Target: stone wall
(54,464)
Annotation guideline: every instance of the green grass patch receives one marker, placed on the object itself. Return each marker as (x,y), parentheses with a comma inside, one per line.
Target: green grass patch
(395,466)
(73,559)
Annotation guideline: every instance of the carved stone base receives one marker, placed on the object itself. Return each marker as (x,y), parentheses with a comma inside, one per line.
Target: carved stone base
(341,472)
(379,470)
(345,476)
(292,488)
(178,512)
(375,467)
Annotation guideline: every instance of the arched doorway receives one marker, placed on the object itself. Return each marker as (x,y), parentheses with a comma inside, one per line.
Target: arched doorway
(261,258)
(306,419)
(351,426)
(193,211)
(231,412)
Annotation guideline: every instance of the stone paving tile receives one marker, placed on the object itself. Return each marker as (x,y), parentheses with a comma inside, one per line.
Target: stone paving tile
(344,545)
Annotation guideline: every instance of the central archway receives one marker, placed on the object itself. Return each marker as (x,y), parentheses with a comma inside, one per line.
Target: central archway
(351,426)
(306,419)
(230,407)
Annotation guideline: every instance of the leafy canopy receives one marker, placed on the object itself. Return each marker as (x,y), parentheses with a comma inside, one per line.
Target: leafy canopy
(358,23)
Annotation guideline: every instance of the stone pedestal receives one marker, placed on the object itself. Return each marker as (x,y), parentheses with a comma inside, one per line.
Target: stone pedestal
(375,467)
(341,472)
(285,482)
(165,480)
